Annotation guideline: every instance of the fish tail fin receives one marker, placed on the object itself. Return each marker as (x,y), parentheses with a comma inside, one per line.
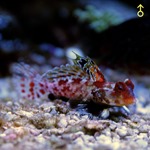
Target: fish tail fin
(28,82)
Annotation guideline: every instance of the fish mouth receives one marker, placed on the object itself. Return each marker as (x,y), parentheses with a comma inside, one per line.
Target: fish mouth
(125,102)
(129,101)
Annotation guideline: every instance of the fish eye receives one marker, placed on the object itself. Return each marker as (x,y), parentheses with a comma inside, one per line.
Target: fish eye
(119,86)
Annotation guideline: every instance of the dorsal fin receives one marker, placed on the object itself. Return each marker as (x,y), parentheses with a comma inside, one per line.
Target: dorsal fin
(66,71)
(88,65)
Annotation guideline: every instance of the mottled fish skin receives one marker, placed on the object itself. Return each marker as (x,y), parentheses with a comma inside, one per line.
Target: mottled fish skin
(81,81)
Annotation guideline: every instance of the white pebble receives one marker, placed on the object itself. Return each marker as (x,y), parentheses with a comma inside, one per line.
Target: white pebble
(142,143)
(122,131)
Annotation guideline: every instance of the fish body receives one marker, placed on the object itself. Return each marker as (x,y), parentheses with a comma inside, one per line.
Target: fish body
(82,81)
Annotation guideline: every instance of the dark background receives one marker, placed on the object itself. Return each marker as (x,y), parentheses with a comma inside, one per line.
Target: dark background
(26,24)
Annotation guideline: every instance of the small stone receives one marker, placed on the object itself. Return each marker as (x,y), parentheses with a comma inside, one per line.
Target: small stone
(50,123)
(104,139)
(122,131)
(21,131)
(63,122)
(115,145)
(133,131)
(144,128)
(24,113)
(9,103)
(105,113)
(2,135)
(35,132)
(115,136)
(113,126)
(7,146)
(143,136)
(40,138)
(107,132)
(9,116)
(47,107)
(142,143)
(79,141)
(148,133)
(74,117)
(71,122)
(47,115)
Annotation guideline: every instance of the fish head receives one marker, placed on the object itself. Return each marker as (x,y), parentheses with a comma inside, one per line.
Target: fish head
(121,94)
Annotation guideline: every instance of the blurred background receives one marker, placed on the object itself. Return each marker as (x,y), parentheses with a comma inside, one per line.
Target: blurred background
(46,31)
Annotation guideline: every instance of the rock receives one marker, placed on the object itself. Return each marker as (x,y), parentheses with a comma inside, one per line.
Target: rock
(122,131)
(142,143)
(63,122)
(7,146)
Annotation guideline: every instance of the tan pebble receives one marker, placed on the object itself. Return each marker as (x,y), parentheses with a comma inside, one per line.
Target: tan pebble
(107,132)
(74,117)
(50,122)
(77,134)
(71,122)
(62,115)
(47,107)
(79,141)
(2,135)
(24,113)
(112,126)
(144,128)
(47,115)
(21,131)
(62,123)
(116,145)
(104,139)
(122,131)
(142,143)
(87,138)
(40,138)
(135,131)
(18,123)
(53,131)
(35,132)
(115,139)
(149,134)
(85,117)
(57,131)
(134,125)
(9,116)
(115,136)
(143,136)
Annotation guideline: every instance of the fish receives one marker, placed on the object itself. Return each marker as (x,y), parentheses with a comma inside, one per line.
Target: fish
(81,81)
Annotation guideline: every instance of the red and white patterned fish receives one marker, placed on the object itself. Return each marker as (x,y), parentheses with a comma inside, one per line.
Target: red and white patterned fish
(81,81)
